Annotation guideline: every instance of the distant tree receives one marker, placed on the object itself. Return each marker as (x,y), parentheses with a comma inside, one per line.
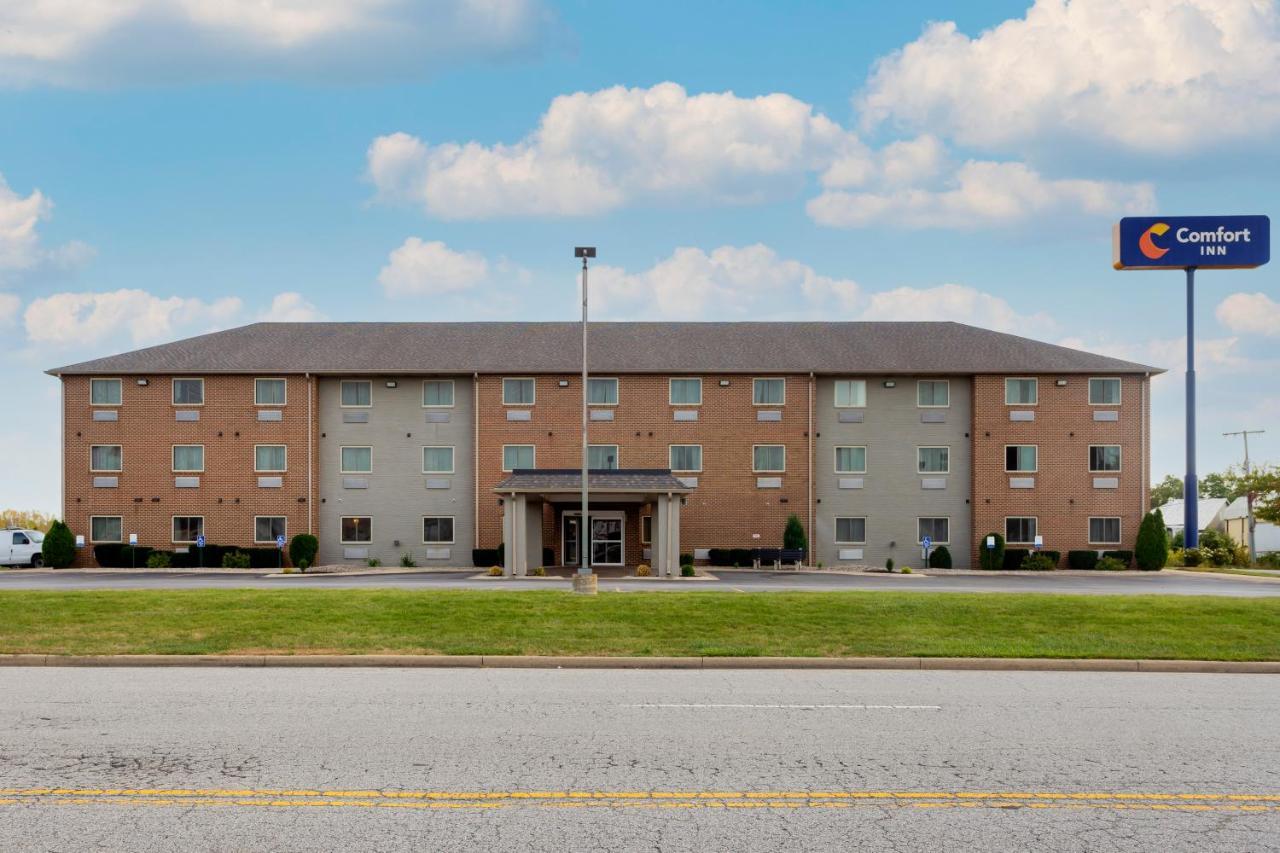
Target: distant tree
(1151,551)
(1218,486)
(59,548)
(1264,484)
(31,519)
(793,537)
(1168,489)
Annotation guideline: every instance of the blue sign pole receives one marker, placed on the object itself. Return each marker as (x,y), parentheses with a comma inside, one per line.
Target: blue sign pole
(1190,489)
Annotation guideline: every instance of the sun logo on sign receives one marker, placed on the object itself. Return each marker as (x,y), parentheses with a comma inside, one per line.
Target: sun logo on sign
(1148,246)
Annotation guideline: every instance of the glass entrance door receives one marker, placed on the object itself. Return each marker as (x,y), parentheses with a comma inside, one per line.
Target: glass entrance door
(606,541)
(572,527)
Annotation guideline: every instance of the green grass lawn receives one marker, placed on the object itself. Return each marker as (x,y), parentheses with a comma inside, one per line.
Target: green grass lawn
(1227,570)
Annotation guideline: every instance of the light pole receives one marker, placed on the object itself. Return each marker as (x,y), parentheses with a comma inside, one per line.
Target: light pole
(1248,496)
(584,527)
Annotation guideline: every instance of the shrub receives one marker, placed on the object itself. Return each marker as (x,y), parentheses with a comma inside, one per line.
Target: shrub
(1013,558)
(741,556)
(264,558)
(1036,563)
(59,548)
(539,572)
(235,560)
(888,564)
(488,556)
(303,565)
(991,558)
(159,560)
(1125,557)
(686,559)
(495,571)
(373,562)
(1111,564)
(687,571)
(1054,557)
(1152,546)
(303,547)
(407,561)
(642,571)
(1192,557)
(940,558)
(906,570)
(1271,561)
(793,537)
(718,556)
(1085,560)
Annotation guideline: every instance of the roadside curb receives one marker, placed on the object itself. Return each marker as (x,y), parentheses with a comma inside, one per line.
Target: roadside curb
(596,662)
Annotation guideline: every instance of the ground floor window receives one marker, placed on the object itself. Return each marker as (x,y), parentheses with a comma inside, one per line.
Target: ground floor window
(357,528)
(851,531)
(267,527)
(187,528)
(106,528)
(437,530)
(1104,531)
(937,529)
(1020,530)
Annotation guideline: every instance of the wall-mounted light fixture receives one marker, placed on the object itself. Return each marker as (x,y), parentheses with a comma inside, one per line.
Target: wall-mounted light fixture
(564,383)
(724,383)
(142,382)
(1061,383)
(391,383)
(889,383)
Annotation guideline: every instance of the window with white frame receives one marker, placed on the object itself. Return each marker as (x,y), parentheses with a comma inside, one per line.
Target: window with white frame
(106,528)
(851,530)
(851,393)
(1104,391)
(437,530)
(933,393)
(356,393)
(851,460)
(437,393)
(602,392)
(938,530)
(933,460)
(437,460)
(1104,531)
(1104,457)
(188,392)
(106,457)
(270,458)
(188,458)
(187,528)
(769,458)
(104,392)
(516,456)
(1020,530)
(769,392)
(517,392)
(356,460)
(267,527)
(269,392)
(686,457)
(601,457)
(1021,392)
(356,529)
(686,392)
(1020,458)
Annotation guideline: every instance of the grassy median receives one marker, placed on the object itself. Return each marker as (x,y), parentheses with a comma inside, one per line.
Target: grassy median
(695,623)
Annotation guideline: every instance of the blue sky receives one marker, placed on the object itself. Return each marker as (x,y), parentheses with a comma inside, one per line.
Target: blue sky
(172,166)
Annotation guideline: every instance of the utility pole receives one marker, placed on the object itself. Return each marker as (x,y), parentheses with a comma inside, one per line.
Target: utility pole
(584,527)
(1248,497)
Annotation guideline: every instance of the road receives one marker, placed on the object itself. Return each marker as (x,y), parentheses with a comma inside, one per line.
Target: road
(1136,583)
(362,759)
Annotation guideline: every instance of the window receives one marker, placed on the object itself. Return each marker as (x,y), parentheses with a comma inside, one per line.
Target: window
(437,393)
(106,528)
(437,460)
(517,392)
(851,460)
(851,393)
(187,528)
(1104,392)
(517,456)
(933,460)
(267,527)
(646,529)
(268,392)
(437,530)
(769,392)
(1020,392)
(269,458)
(769,458)
(1020,530)
(933,393)
(1104,457)
(357,460)
(1104,531)
(356,528)
(188,457)
(356,394)
(602,457)
(188,392)
(106,457)
(602,392)
(104,392)
(851,531)
(686,392)
(937,529)
(686,457)
(1020,457)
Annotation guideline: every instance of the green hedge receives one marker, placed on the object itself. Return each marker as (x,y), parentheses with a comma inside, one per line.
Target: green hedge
(1082,560)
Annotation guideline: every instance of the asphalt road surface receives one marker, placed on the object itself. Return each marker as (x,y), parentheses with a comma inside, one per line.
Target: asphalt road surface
(1135,583)
(554,760)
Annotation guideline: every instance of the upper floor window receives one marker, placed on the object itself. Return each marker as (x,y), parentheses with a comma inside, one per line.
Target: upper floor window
(187,528)
(356,460)
(268,392)
(851,460)
(851,393)
(1020,530)
(106,457)
(269,458)
(106,528)
(933,460)
(602,392)
(188,458)
(104,392)
(602,457)
(1104,392)
(1104,531)
(1020,457)
(1021,392)
(1104,457)
(516,456)
(437,393)
(357,393)
(937,529)
(437,460)
(188,392)
(686,392)
(769,458)
(686,457)
(769,392)
(517,392)
(933,393)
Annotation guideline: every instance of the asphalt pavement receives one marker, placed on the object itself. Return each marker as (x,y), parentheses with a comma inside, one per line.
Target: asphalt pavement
(388,760)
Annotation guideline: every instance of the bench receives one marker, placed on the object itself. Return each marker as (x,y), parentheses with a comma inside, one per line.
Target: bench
(793,557)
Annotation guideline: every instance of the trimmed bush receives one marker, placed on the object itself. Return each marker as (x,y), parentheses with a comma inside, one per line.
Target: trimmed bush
(488,556)
(643,571)
(688,572)
(539,572)
(235,560)
(159,560)
(1152,547)
(686,559)
(303,547)
(1125,557)
(991,558)
(1082,560)
(1036,563)
(740,556)
(940,558)
(1111,564)
(59,548)
(1192,557)
(268,558)
(718,556)
(793,536)
(888,564)
(373,562)
(1271,560)
(1013,558)
(495,571)
(1054,557)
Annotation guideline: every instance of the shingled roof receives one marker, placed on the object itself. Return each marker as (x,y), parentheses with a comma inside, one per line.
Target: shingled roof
(799,347)
(598,480)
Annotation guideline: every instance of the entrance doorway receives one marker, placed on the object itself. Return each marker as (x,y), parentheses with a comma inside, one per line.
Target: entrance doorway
(606,541)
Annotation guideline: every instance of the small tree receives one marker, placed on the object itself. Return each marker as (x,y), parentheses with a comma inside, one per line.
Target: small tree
(940,558)
(302,550)
(793,538)
(59,548)
(991,558)
(1151,550)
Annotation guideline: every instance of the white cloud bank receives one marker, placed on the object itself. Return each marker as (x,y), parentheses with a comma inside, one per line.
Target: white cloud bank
(20,246)
(1149,75)
(421,268)
(291,307)
(66,319)
(104,42)
(1250,313)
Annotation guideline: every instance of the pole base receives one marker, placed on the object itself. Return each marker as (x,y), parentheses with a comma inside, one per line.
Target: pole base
(584,584)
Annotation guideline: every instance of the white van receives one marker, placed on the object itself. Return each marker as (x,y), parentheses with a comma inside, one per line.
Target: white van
(21,547)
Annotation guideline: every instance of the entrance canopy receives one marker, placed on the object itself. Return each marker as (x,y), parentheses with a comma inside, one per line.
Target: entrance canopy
(643,484)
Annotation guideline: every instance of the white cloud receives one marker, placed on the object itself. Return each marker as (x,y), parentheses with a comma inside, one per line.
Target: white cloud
(291,307)
(9,305)
(1149,75)
(419,268)
(956,302)
(1250,313)
(77,319)
(1214,356)
(20,247)
(104,42)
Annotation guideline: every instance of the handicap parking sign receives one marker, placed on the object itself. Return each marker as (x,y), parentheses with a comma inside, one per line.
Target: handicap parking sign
(200,541)
(926,541)
(280,541)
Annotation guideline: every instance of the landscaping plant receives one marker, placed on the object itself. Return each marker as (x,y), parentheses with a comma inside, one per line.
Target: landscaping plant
(991,558)
(793,536)
(687,571)
(940,558)
(407,561)
(235,560)
(1152,547)
(1110,564)
(1036,563)
(888,565)
(159,560)
(59,548)
(303,549)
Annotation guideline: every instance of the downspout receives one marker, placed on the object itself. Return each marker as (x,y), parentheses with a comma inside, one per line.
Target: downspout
(62,420)
(310,455)
(810,483)
(1146,447)
(475,459)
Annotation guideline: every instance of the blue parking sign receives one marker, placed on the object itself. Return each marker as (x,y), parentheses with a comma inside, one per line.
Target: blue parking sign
(926,542)
(280,541)
(200,541)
